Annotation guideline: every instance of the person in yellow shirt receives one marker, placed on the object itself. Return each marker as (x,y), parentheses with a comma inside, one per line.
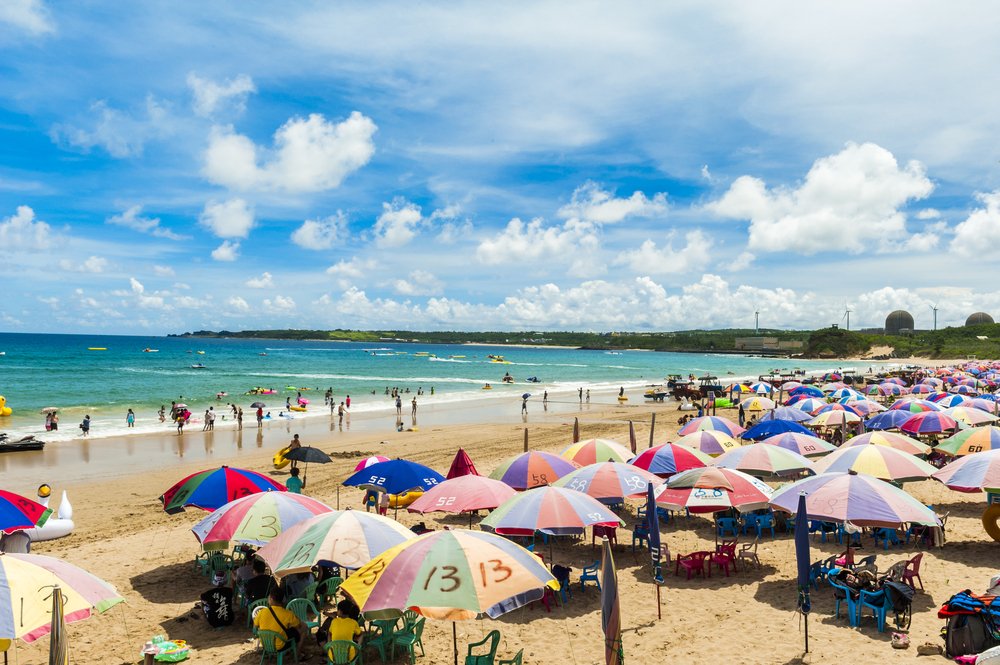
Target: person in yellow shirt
(342,626)
(277,619)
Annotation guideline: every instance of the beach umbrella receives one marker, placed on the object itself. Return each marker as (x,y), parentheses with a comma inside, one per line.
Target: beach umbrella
(19,512)
(928,422)
(256,519)
(836,406)
(711,423)
(970,441)
(711,490)
(738,388)
(808,391)
(807,404)
(532,469)
(369,461)
(846,393)
(462,464)
(987,405)
(806,445)
(346,538)
(964,390)
(891,419)
(792,413)
(308,454)
(915,405)
(757,404)
(946,400)
(763,460)
(670,458)
(611,622)
(767,428)
(27,580)
(255,405)
(653,531)
(922,389)
(834,419)
(972,473)
(898,441)
(608,481)
(710,442)
(761,388)
(880,461)
(803,564)
(891,389)
(395,477)
(592,451)
(452,575)
(461,494)
(214,488)
(853,497)
(969,416)
(48,409)
(553,510)
(866,407)
(789,386)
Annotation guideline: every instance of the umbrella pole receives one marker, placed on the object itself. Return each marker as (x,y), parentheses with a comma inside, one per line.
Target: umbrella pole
(551,559)
(454,640)
(659,609)
(338,497)
(525,439)
(652,428)
(807,632)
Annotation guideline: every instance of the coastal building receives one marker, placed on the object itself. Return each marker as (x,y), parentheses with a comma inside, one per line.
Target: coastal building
(899,322)
(978,318)
(767,344)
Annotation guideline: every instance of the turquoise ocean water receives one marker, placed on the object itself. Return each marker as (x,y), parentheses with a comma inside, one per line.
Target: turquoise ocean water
(39,371)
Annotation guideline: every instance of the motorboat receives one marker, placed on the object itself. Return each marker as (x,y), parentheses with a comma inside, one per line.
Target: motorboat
(198,366)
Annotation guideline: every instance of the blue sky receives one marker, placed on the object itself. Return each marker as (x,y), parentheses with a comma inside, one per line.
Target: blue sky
(177,166)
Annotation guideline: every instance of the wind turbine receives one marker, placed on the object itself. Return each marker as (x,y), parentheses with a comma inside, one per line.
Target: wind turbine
(847,315)
(756,320)
(935,310)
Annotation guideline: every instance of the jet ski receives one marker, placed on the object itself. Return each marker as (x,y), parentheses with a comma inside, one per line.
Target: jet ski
(25,443)
(533,379)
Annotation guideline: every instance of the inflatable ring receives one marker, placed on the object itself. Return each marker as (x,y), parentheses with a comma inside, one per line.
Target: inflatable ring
(991,521)
(280,461)
(404,499)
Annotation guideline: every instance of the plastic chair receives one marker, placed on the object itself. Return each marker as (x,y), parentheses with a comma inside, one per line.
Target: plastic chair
(251,607)
(338,652)
(640,536)
(303,608)
(599,530)
(410,618)
(410,640)
(878,602)
(725,556)
(695,562)
(852,539)
(728,526)
(749,524)
(382,640)
(268,640)
(490,643)
(888,535)
(765,522)
(822,528)
(816,573)
(327,590)
(516,660)
(912,572)
(547,600)
(852,603)
(748,553)
(309,593)
(591,574)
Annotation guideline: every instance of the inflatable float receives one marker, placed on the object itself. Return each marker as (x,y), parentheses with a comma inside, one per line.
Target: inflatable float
(297,408)
(280,461)
(991,521)
(404,499)
(59,526)
(4,409)
(622,398)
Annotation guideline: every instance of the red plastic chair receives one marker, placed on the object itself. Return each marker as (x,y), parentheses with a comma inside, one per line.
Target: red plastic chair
(724,556)
(609,530)
(912,572)
(697,562)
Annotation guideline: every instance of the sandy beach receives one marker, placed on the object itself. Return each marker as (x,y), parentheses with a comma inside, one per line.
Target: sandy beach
(123,535)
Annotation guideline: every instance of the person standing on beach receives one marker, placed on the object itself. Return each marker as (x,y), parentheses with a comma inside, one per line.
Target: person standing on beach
(524,405)
(413,408)
(204,427)
(210,423)
(292,445)
(180,424)
(340,413)
(347,401)
(55,422)
(333,404)
(545,397)
(580,390)
(48,421)
(294,484)
(130,418)
(260,417)
(588,395)
(399,405)
(85,425)
(239,418)
(162,413)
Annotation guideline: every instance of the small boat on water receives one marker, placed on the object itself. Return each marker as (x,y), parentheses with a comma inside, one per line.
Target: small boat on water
(198,366)
(3,353)
(201,353)
(97,348)
(149,350)
(25,443)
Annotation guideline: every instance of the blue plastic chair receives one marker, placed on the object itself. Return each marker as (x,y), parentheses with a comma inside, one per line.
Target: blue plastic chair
(749,524)
(888,535)
(878,602)
(765,522)
(728,526)
(640,512)
(640,536)
(855,538)
(822,528)
(591,574)
(816,573)
(852,603)
(663,514)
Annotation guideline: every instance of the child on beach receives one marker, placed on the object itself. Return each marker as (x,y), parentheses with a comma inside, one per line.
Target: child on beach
(130,419)
(85,425)
(294,484)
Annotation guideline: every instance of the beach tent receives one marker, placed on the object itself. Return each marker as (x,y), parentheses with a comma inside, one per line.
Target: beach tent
(462,465)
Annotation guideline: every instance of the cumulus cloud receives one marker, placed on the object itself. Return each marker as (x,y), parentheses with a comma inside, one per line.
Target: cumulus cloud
(132,219)
(93,265)
(321,233)
(981,229)
(652,260)
(533,241)
(210,96)
(309,155)
(163,271)
(262,282)
(22,231)
(351,271)
(121,133)
(32,16)
(397,224)
(742,262)
(594,204)
(238,304)
(418,283)
(141,298)
(227,251)
(228,219)
(849,201)
(279,305)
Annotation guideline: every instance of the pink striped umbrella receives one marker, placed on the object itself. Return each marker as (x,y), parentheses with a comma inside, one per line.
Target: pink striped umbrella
(972,473)
(891,439)
(711,490)
(928,422)
(368,461)
(712,423)
(461,494)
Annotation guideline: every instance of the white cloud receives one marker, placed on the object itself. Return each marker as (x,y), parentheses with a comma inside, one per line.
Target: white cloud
(143,299)
(228,219)
(452,232)
(262,282)
(397,224)
(534,241)
(591,203)
(310,155)
(32,16)
(163,271)
(651,260)
(94,265)
(210,96)
(227,251)
(419,283)
(321,233)
(120,133)
(849,201)
(981,229)
(238,304)
(929,213)
(279,305)
(132,219)
(22,231)
(742,262)
(350,272)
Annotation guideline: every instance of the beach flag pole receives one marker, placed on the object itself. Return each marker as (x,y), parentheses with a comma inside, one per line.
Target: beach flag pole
(525,439)
(652,428)
(631,435)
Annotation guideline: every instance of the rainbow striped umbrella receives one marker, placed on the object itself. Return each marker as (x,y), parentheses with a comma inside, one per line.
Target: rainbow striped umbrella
(865,407)
(922,389)
(710,442)
(711,424)
(836,406)
(833,387)
(987,405)
(853,497)
(711,490)
(256,519)
(609,481)
(970,416)
(806,445)
(970,441)
(462,494)
(369,461)
(26,582)
(807,404)
(553,510)
(532,469)
(928,422)
(879,461)
(972,473)
(915,405)
(592,451)
(964,390)
(214,488)
(891,419)
(891,439)
(834,419)
(19,512)
(947,400)
(348,538)
(669,458)
(762,460)
(890,389)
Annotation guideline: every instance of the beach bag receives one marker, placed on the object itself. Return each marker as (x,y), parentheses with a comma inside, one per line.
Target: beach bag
(901,597)
(966,634)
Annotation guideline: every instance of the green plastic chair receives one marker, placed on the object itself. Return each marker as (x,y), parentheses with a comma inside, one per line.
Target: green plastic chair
(251,607)
(490,643)
(385,633)
(410,640)
(268,641)
(338,652)
(303,608)
(516,660)
(327,590)
(410,618)
(309,593)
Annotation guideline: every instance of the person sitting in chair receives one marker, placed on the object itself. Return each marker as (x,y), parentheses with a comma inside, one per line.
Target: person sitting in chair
(340,625)
(261,584)
(277,619)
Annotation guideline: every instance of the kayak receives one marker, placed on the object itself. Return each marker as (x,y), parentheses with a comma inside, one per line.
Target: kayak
(280,461)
